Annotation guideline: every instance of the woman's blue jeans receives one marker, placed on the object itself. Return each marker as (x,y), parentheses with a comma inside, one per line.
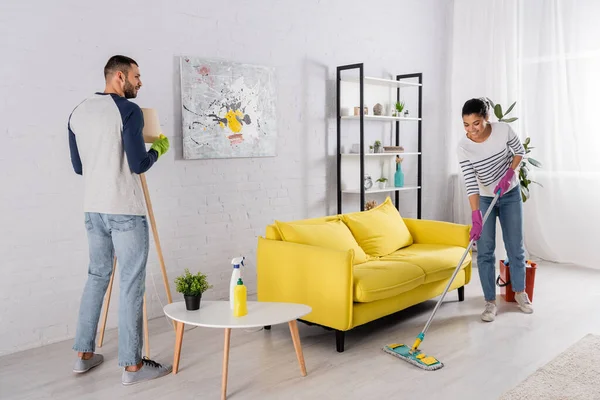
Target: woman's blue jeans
(509,210)
(127,237)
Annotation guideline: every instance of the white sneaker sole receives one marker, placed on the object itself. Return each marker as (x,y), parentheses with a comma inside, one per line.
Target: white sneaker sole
(82,371)
(526,310)
(145,380)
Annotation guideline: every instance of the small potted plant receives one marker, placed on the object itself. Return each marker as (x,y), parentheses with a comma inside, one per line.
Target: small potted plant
(371,149)
(192,287)
(377,146)
(382,182)
(399,107)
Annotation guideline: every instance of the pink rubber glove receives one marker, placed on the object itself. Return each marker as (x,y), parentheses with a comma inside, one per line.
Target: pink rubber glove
(504,183)
(477,225)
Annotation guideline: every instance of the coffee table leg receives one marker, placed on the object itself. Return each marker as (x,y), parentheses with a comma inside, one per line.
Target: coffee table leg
(297,346)
(225,363)
(178,343)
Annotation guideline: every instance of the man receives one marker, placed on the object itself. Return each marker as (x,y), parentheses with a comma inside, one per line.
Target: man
(107,148)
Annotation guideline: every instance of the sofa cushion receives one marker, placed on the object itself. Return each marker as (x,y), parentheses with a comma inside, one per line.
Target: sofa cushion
(273,233)
(376,280)
(329,234)
(438,261)
(380,230)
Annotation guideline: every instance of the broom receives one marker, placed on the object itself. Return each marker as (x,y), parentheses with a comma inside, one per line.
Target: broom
(412,354)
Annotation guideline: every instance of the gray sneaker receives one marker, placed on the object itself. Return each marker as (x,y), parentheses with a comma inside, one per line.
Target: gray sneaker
(82,365)
(524,303)
(489,314)
(150,370)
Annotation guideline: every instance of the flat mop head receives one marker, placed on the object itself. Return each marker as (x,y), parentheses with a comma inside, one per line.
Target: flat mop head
(417,358)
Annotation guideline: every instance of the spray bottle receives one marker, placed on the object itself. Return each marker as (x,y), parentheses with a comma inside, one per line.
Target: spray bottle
(240,308)
(236,262)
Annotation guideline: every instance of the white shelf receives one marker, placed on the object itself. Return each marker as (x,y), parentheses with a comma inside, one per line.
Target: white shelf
(386,154)
(381,118)
(368,80)
(377,190)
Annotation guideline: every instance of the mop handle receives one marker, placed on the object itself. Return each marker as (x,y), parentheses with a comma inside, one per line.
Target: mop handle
(462,259)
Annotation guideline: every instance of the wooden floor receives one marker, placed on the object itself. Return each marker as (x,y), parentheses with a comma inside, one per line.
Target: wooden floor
(482,360)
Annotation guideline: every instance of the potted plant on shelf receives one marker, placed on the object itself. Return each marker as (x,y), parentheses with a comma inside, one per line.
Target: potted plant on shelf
(377,146)
(382,182)
(192,287)
(399,107)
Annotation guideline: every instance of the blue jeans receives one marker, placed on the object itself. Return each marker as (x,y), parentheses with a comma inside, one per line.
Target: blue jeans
(127,236)
(509,209)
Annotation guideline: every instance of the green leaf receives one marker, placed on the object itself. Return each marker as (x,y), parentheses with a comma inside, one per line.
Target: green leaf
(498,111)
(524,194)
(193,285)
(534,162)
(510,108)
(537,183)
(527,141)
(509,120)
(491,102)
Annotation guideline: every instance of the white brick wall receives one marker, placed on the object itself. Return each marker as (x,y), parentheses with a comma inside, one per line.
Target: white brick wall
(207,211)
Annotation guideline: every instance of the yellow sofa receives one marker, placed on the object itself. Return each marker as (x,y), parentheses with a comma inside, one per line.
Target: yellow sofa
(357,267)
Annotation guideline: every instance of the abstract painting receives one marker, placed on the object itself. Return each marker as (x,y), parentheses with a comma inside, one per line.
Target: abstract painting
(228,109)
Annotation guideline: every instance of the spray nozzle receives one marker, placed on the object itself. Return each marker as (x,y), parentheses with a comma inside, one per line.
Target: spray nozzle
(236,262)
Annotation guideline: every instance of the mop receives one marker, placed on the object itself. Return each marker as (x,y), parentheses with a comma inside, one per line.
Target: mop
(412,354)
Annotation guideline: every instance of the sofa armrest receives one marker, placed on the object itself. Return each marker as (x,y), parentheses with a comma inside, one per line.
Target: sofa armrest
(318,277)
(426,231)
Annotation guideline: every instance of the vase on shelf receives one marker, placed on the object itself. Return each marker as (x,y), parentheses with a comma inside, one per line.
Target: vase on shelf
(398,175)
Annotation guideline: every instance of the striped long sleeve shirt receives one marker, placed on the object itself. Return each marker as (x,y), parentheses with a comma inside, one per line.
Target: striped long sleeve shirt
(484,164)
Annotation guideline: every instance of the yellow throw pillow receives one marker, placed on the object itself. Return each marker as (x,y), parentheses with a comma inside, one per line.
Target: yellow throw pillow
(380,230)
(332,234)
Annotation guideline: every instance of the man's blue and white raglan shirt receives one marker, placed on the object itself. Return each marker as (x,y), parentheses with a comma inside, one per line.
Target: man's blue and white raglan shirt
(484,164)
(107,148)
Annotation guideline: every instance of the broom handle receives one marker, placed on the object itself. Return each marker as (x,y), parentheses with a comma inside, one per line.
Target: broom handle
(462,259)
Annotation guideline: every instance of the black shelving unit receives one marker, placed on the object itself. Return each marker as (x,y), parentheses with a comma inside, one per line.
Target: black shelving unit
(361,81)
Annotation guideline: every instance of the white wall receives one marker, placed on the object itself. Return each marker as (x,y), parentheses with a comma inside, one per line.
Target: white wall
(207,211)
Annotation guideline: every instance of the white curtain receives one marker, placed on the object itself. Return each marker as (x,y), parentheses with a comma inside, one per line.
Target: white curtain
(545,55)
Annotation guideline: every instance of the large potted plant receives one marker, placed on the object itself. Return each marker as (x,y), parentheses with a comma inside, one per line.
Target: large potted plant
(527,160)
(192,287)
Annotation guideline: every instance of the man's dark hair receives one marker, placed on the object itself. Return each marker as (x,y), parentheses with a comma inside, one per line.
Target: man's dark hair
(118,63)
(476,106)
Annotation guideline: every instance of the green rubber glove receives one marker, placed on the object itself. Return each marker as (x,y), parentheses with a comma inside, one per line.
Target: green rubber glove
(161,145)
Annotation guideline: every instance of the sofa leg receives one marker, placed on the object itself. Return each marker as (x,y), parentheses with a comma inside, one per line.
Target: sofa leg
(461,293)
(339,341)
(267,327)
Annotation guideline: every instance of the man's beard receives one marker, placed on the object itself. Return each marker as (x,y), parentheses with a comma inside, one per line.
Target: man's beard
(129,90)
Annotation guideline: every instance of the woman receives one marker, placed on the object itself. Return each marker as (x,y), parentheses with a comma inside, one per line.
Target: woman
(489,154)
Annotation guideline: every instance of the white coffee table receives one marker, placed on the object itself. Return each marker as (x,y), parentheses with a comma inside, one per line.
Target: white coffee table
(218,314)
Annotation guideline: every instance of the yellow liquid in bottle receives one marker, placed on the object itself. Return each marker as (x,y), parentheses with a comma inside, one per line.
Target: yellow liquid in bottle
(240,293)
